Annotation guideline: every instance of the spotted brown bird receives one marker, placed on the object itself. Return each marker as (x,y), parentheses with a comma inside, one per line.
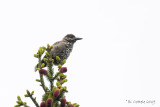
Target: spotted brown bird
(62,48)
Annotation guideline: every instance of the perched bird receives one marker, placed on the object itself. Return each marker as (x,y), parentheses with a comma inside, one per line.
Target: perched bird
(62,48)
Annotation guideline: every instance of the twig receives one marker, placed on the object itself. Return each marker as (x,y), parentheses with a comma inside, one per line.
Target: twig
(20,102)
(41,76)
(55,76)
(33,99)
(42,83)
(51,72)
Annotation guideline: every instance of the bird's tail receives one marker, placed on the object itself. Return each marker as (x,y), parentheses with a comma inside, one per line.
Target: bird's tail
(35,69)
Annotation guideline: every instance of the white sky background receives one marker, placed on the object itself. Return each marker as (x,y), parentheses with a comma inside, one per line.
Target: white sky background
(118,59)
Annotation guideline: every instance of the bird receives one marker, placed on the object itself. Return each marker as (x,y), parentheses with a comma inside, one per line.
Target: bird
(62,48)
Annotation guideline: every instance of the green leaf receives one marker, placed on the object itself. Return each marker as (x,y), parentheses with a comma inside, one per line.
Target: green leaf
(19,98)
(48,45)
(40,51)
(36,55)
(45,59)
(76,105)
(64,76)
(19,102)
(64,61)
(68,102)
(37,68)
(42,65)
(59,66)
(47,54)
(64,80)
(61,74)
(58,58)
(57,83)
(32,92)
(43,47)
(26,95)
(38,80)
(51,47)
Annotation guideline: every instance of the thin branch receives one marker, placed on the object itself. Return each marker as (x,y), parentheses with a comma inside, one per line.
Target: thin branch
(42,83)
(41,76)
(51,73)
(55,76)
(33,99)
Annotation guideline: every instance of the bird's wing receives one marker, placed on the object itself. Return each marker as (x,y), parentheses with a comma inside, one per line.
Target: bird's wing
(58,47)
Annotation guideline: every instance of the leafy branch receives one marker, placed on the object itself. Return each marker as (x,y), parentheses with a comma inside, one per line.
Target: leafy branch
(55,95)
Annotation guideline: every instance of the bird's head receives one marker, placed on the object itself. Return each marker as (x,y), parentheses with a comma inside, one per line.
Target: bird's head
(71,38)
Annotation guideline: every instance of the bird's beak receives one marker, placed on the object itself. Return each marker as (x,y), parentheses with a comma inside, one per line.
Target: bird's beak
(79,38)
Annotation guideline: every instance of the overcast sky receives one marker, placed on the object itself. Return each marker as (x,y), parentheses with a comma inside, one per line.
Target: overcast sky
(118,59)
